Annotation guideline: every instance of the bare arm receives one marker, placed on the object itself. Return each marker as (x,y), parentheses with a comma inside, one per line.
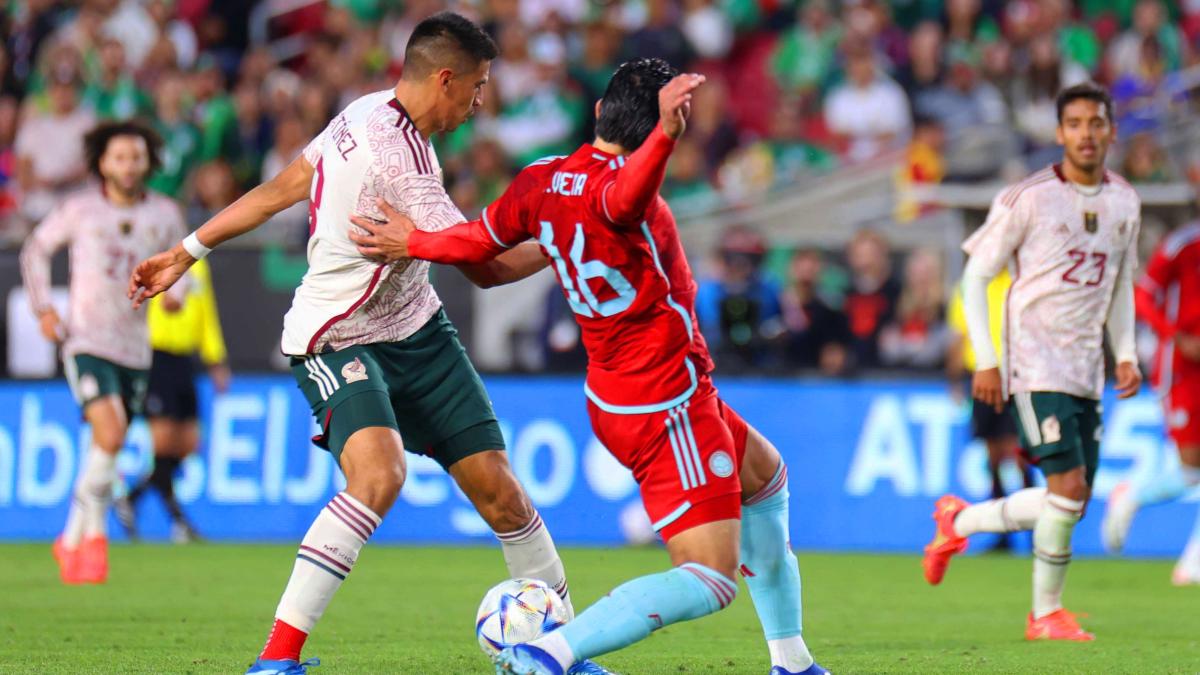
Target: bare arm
(157,274)
(521,261)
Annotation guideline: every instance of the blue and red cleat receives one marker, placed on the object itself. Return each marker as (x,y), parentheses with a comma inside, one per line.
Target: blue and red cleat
(525,659)
(282,667)
(814,669)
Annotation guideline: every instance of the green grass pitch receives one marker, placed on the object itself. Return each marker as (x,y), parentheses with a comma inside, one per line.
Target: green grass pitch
(207,609)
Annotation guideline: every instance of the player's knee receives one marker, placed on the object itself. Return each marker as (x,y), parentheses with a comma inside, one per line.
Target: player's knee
(109,438)
(1074,486)
(379,486)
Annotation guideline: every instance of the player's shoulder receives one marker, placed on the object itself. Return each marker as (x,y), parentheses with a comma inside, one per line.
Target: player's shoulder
(540,170)
(1181,238)
(1122,187)
(367,105)
(1028,187)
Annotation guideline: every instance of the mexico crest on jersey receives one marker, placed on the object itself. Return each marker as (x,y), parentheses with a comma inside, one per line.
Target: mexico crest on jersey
(354,371)
(126,227)
(1091,222)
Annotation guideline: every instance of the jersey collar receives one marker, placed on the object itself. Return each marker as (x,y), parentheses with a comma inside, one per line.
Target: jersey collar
(1063,177)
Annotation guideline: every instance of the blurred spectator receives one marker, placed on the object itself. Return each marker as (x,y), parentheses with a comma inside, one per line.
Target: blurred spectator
(49,147)
(871,300)
(660,36)
(711,124)
(923,165)
(815,334)
(178,32)
(707,31)
(1149,20)
(548,120)
(973,115)
(967,25)
(918,337)
(1034,94)
(738,309)
(1145,161)
(213,188)
(1076,41)
(805,56)
(686,178)
(253,136)
(11,231)
(181,139)
(291,224)
(595,66)
(924,72)
(214,112)
(869,112)
(113,93)
(130,23)
(31,22)
(1134,94)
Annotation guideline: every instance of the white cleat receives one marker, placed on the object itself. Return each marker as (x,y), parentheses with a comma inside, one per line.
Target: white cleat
(1185,575)
(1118,517)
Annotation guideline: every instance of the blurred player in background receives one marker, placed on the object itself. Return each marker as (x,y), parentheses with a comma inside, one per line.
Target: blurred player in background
(1168,300)
(1069,235)
(995,429)
(370,345)
(709,481)
(178,333)
(106,352)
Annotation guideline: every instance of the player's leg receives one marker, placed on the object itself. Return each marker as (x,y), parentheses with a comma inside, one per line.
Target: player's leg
(1187,569)
(360,431)
(444,411)
(174,440)
(690,487)
(768,564)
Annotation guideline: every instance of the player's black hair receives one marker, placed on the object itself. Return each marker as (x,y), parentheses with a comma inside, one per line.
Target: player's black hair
(446,40)
(629,109)
(1084,90)
(95,143)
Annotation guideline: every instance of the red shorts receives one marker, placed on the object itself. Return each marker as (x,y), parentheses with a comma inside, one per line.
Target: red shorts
(686,460)
(1182,412)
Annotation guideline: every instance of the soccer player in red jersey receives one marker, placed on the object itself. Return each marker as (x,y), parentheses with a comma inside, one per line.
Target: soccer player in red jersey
(714,488)
(1168,300)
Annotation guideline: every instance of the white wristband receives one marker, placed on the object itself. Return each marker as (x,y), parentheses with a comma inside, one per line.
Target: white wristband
(192,245)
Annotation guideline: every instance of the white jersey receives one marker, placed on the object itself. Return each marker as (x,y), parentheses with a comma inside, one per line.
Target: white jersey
(1066,250)
(370,151)
(105,243)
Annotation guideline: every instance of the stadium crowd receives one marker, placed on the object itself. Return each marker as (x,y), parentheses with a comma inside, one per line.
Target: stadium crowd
(958,90)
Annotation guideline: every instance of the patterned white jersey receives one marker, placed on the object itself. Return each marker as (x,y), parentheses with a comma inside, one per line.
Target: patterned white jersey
(1066,249)
(105,243)
(370,151)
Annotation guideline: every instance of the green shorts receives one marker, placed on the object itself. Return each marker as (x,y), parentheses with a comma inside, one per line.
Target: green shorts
(1059,432)
(423,386)
(92,377)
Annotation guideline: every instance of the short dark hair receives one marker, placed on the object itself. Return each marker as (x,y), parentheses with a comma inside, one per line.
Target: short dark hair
(446,40)
(1088,91)
(95,143)
(629,109)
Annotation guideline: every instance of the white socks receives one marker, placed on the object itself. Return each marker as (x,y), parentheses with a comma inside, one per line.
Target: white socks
(88,515)
(529,553)
(1052,552)
(1014,513)
(327,554)
(790,653)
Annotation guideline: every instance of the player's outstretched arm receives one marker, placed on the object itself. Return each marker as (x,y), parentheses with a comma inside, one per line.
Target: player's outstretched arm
(398,238)
(158,273)
(522,260)
(625,200)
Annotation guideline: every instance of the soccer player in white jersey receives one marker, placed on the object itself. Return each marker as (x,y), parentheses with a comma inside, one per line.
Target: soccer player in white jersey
(1068,234)
(370,346)
(107,228)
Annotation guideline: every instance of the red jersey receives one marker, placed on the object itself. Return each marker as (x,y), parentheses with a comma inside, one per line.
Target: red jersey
(1168,299)
(613,244)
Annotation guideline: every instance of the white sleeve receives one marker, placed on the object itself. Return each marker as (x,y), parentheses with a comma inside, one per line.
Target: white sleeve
(1122,336)
(975,311)
(993,244)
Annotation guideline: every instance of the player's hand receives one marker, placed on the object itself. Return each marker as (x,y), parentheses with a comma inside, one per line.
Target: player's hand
(387,241)
(1188,346)
(220,375)
(1129,379)
(52,326)
(158,273)
(675,102)
(985,386)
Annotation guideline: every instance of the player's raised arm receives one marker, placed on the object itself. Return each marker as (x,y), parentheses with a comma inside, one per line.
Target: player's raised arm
(158,273)
(626,199)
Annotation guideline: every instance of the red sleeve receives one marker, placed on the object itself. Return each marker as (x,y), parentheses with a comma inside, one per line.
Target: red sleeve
(1148,295)
(498,229)
(625,200)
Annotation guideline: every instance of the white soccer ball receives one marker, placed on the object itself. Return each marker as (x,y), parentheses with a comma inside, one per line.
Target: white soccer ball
(515,611)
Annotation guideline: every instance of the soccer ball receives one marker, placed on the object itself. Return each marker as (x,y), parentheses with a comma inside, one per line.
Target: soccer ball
(515,611)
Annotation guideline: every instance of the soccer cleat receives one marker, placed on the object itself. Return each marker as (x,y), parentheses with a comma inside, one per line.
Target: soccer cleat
(588,667)
(183,533)
(814,669)
(1185,574)
(525,659)
(282,667)
(68,562)
(946,543)
(127,514)
(1058,625)
(93,560)
(1118,516)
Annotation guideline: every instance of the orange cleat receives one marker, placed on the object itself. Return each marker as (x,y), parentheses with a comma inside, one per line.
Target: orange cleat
(68,562)
(93,560)
(946,543)
(1059,625)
